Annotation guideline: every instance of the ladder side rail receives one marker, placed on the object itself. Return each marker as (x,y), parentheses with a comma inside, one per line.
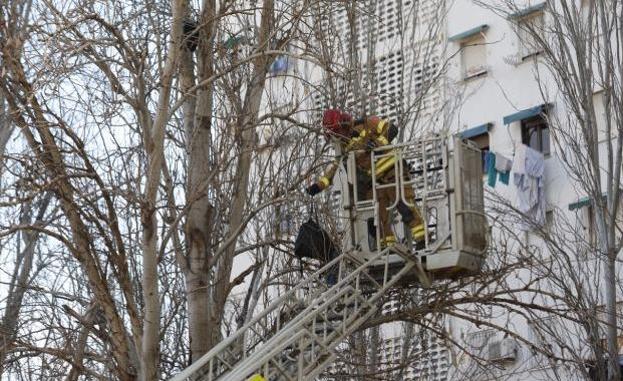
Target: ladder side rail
(350,280)
(285,335)
(375,197)
(233,340)
(425,194)
(376,156)
(275,347)
(350,324)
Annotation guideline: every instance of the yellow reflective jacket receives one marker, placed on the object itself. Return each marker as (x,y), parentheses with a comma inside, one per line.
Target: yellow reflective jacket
(366,134)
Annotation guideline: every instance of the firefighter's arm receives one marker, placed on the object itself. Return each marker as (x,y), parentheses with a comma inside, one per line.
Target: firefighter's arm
(377,132)
(324,181)
(382,130)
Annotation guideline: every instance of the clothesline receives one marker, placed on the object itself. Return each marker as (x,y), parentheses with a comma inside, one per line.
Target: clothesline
(528,167)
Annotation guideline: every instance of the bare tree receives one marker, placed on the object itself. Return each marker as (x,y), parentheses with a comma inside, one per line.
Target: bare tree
(164,165)
(101,119)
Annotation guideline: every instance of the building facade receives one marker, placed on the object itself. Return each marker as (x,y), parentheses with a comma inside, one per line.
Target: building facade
(452,68)
(505,97)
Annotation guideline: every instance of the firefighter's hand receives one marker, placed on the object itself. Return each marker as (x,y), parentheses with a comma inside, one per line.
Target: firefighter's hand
(313,189)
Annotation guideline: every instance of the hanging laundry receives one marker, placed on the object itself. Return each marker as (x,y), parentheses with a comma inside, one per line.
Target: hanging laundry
(503,166)
(505,177)
(492,174)
(496,166)
(486,157)
(519,163)
(528,170)
(502,163)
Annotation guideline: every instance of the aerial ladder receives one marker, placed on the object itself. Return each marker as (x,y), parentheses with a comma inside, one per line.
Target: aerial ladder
(297,336)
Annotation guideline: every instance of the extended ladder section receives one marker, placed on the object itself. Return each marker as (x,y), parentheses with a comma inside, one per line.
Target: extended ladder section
(295,337)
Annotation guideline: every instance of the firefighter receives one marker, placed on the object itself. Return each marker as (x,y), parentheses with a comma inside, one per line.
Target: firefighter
(364,135)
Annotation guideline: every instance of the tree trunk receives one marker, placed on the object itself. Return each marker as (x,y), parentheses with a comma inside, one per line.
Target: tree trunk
(248,143)
(49,154)
(198,228)
(611,317)
(155,154)
(20,280)
(80,345)
(608,258)
(6,129)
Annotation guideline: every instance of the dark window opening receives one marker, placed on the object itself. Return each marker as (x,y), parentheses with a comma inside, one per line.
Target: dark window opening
(482,141)
(535,134)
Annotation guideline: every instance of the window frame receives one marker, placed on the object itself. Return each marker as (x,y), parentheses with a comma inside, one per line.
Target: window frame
(483,148)
(523,27)
(474,42)
(589,224)
(537,121)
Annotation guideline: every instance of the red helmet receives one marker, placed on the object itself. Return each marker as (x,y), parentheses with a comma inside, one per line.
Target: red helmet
(333,120)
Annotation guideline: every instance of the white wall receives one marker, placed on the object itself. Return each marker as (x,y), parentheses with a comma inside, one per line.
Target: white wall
(509,86)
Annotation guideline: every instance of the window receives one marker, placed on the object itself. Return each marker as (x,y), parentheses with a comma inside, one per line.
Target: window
(586,218)
(477,342)
(592,22)
(588,223)
(601,116)
(474,57)
(528,27)
(480,137)
(535,134)
(482,141)
(584,240)
(549,220)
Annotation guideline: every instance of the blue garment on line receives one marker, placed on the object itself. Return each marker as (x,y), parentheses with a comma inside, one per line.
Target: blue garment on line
(505,177)
(492,174)
(485,159)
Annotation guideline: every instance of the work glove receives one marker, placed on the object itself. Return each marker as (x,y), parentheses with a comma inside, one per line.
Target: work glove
(313,189)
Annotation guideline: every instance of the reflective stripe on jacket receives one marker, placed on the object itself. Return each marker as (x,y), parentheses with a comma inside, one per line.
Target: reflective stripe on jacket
(367,134)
